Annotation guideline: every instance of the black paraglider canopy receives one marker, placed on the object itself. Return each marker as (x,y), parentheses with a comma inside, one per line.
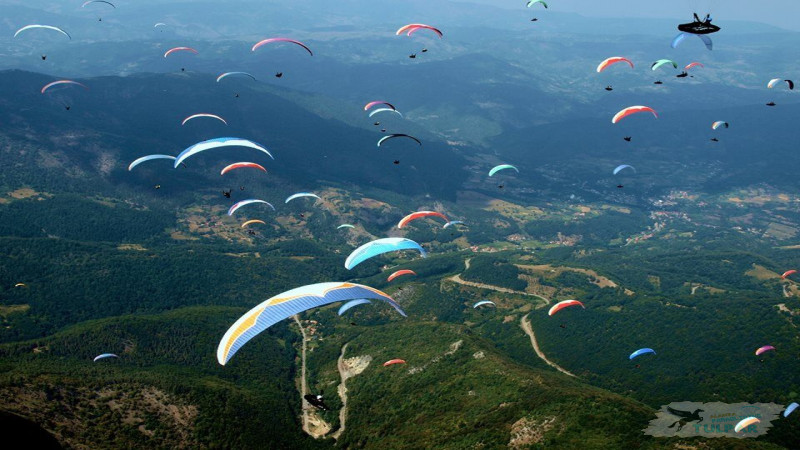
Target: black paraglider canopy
(699,26)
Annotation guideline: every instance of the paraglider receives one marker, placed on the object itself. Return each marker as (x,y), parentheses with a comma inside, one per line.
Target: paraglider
(360,301)
(97,1)
(44,27)
(658,82)
(533,2)
(661,62)
(641,351)
(771,104)
(138,161)
(251,201)
(393,362)
(773,82)
(693,65)
(622,167)
(252,221)
(180,49)
(681,36)
(20,285)
(719,123)
(613,60)
(345,225)
(632,110)
(627,138)
(787,273)
(278,74)
(100,19)
(496,169)
(227,74)
(227,194)
(413,27)
(286,304)
(564,304)
(242,165)
(379,247)
(744,423)
(609,88)
(452,222)
(789,409)
(104,356)
(301,194)
(211,116)
(400,273)
(764,349)
(482,303)
(271,40)
(316,401)
(418,215)
(62,82)
(397,135)
(699,26)
(714,139)
(379,110)
(219,143)
(377,102)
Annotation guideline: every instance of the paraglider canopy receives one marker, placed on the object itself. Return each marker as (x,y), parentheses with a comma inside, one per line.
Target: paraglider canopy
(44,27)
(138,161)
(764,349)
(632,110)
(623,167)
(792,406)
(252,221)
(285,305)
(238,205)
(301,194)
(379,247)
(270,40)
(352,303)
(400,273)
(419,215)
(62,82)
(104,356)
(496,169)
(211,116)
(613,60)
(641,351)
(564,304)
(242,165)
(393,361)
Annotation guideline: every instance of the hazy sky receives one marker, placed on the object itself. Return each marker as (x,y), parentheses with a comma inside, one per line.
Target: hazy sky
(782,13)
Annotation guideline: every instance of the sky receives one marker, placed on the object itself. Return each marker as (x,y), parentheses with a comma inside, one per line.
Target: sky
(781,13)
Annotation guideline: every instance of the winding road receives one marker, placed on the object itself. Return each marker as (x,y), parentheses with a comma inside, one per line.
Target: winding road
(344,375)
(312,424)
(526,326)
(457,279)
(524,323)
